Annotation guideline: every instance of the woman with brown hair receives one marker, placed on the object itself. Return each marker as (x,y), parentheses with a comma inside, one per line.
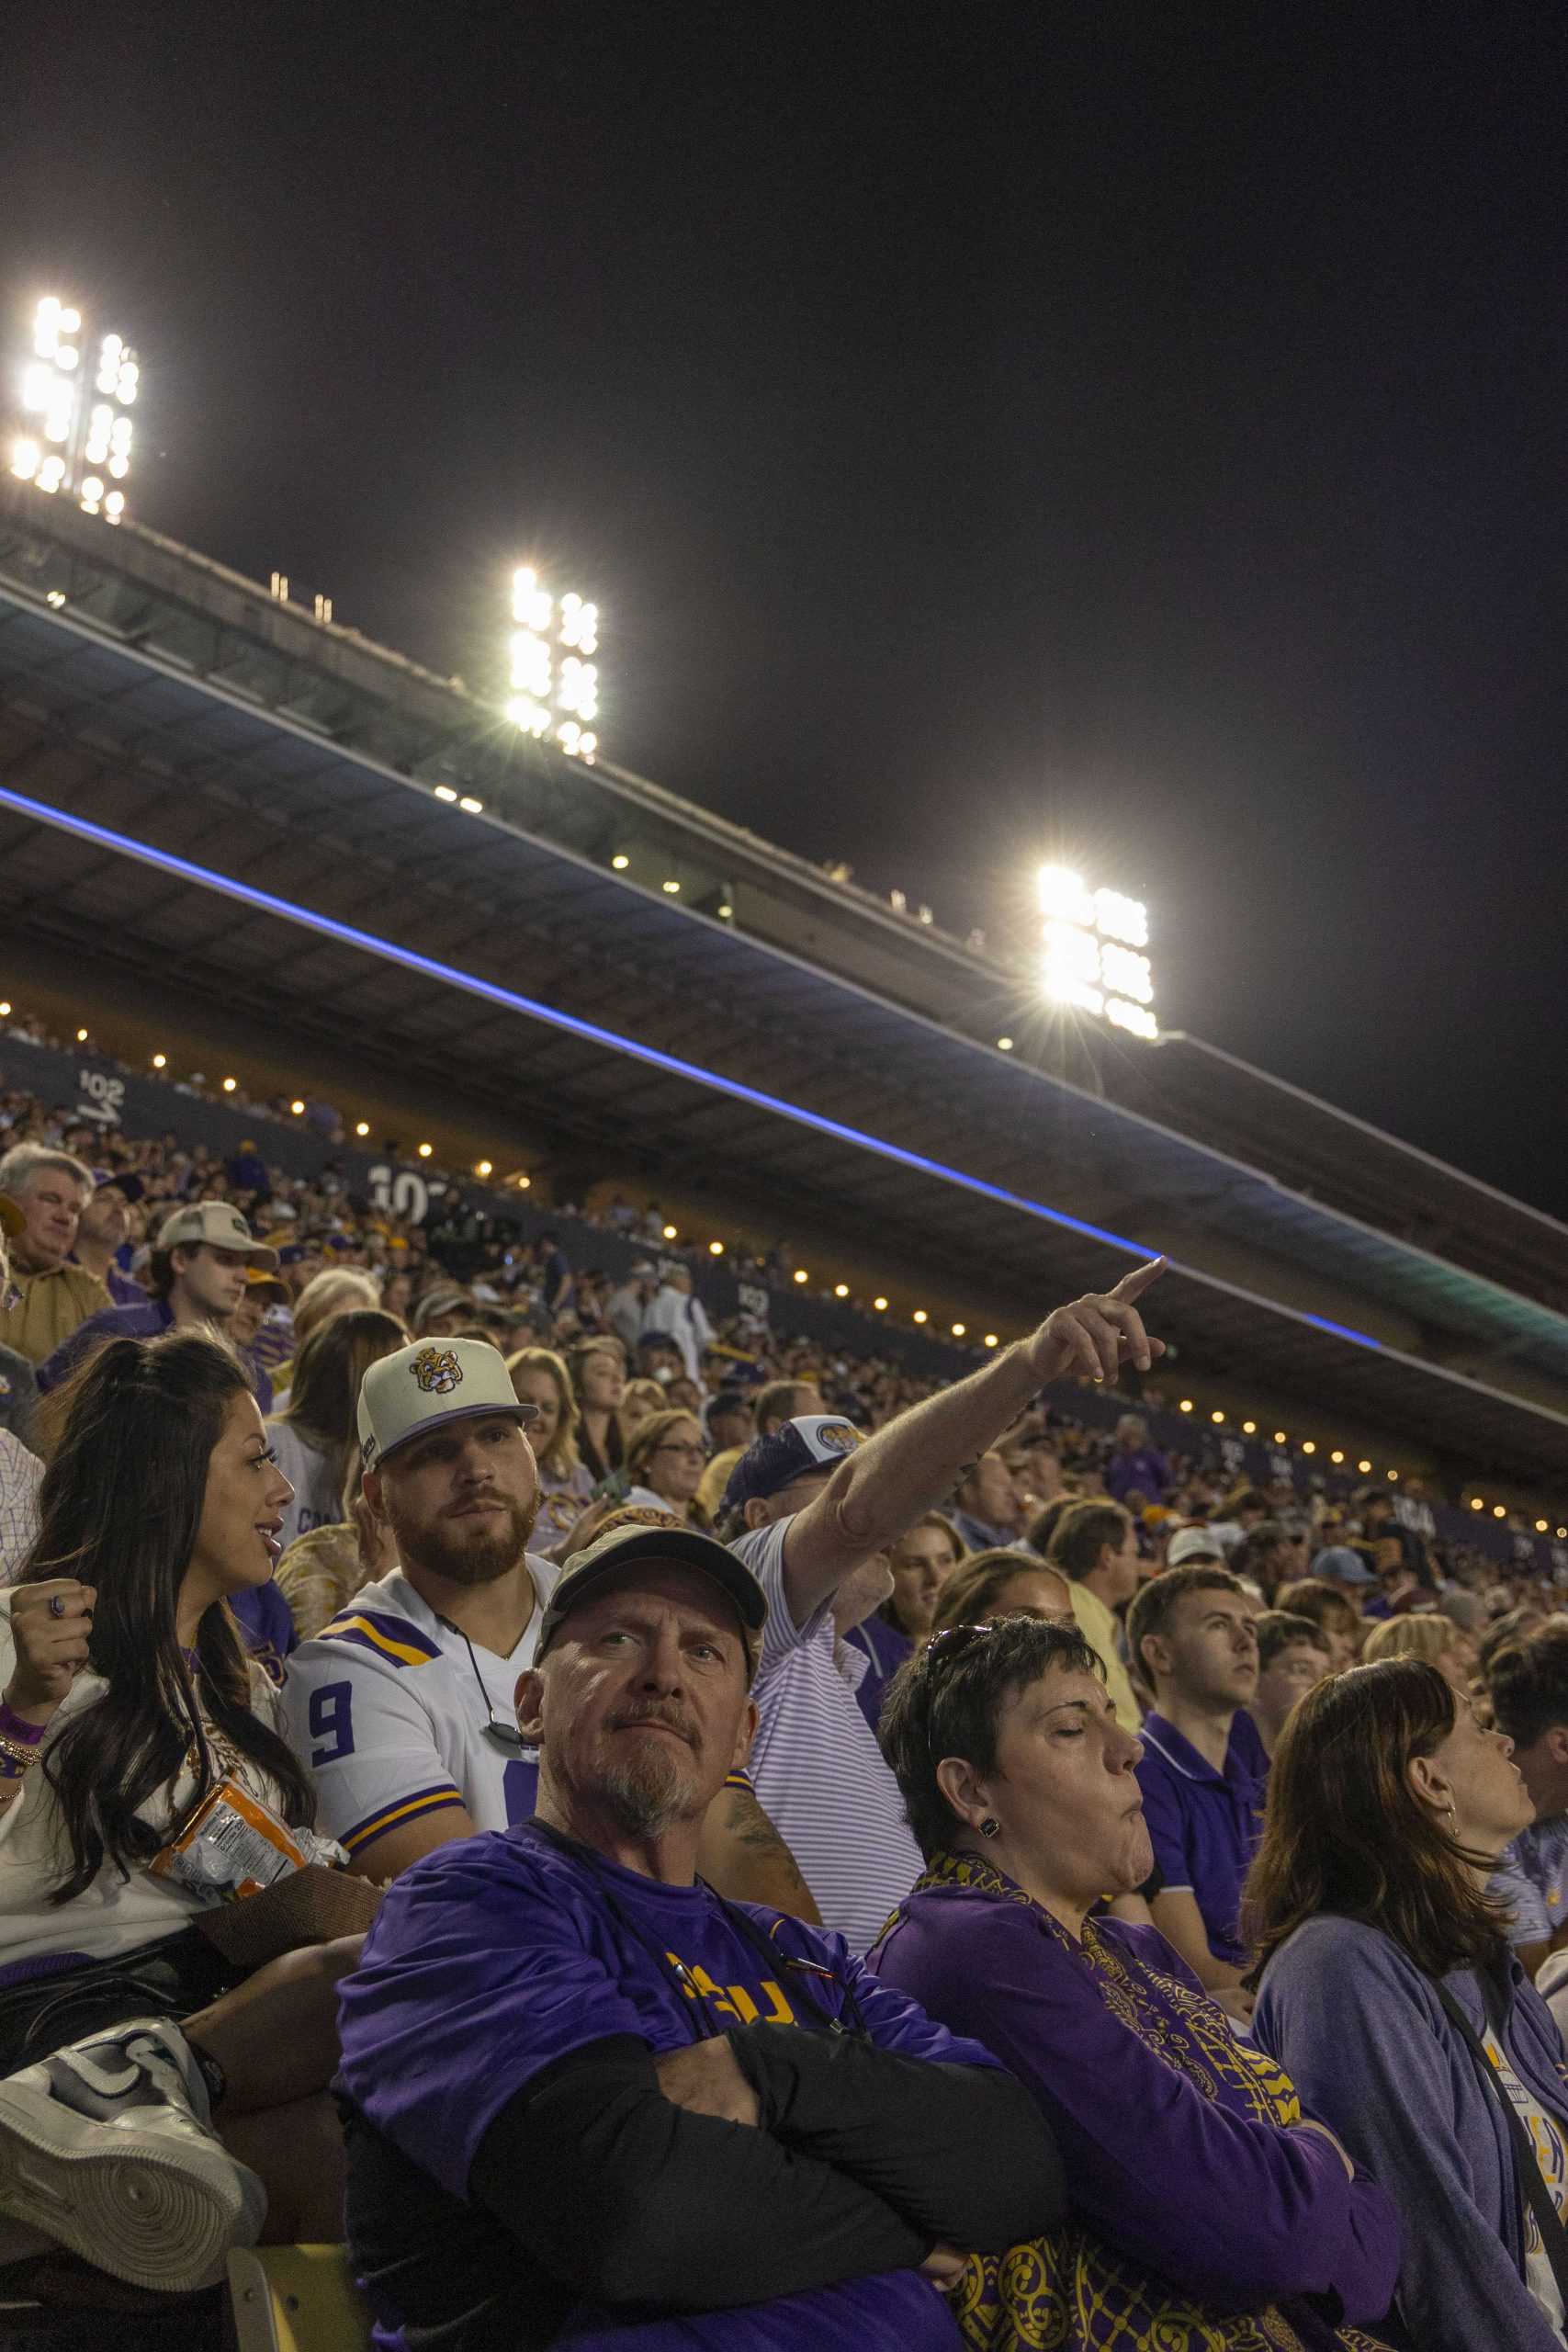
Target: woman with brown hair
(1002,1583)
(918,1563)
(566,1486)
(1389,1992)
(664,1464)
(598,1371)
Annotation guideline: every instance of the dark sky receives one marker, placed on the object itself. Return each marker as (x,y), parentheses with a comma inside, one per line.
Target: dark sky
(1129,433)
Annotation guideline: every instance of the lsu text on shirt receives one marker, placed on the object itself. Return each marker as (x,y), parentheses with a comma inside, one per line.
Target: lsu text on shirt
(497,1957)
(388,1710)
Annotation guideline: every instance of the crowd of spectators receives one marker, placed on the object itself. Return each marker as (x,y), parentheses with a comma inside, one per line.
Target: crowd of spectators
(771,1844)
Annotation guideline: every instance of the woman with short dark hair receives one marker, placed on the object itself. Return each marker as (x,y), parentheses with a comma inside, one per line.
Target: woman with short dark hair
(1388,1990)
(1206,2213)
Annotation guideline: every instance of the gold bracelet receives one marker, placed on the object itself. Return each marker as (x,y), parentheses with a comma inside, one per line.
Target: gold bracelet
(19,1751)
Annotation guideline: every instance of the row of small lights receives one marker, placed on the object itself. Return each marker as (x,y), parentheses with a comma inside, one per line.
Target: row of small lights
(1477,1502)
(484,1167)
(361,1128)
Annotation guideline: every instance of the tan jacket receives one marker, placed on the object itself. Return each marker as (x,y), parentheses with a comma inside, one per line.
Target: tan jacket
(53,1304)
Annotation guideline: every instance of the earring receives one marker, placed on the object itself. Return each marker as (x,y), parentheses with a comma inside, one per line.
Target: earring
(990,1827)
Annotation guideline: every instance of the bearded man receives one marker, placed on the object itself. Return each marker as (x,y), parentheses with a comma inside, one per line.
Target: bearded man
(402,1707)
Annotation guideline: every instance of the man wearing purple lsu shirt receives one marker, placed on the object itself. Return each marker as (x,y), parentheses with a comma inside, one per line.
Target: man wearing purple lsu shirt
(590,2103)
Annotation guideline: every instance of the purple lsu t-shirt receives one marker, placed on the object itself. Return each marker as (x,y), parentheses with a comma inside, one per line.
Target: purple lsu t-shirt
(497,1955)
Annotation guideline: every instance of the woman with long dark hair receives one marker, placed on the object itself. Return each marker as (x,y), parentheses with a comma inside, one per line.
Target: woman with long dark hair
(1389,1991)
(316,1436)
(155,2108)
(598,1370)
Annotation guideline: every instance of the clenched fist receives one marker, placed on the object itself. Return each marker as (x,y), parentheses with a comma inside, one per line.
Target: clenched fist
(50,1643)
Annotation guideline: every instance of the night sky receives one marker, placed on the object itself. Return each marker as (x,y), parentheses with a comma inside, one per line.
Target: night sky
(1130,433)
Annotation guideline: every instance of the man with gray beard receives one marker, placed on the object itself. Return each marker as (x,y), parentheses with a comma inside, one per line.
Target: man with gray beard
(401,1707)
(589,2102)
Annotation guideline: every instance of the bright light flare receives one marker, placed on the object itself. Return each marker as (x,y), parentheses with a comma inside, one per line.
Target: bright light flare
(553,681)
(80,411)
(1091,941)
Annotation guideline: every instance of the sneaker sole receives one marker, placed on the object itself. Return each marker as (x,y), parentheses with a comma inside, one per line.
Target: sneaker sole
(157,2216)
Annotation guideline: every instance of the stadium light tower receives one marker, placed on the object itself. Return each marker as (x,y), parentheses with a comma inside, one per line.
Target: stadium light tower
(75,400)
(554,677)
(1091,942)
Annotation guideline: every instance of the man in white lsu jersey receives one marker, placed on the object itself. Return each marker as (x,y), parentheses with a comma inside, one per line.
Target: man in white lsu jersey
(402,1706)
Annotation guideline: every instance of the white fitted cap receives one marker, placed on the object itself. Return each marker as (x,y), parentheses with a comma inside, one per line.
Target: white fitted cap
(433,1380)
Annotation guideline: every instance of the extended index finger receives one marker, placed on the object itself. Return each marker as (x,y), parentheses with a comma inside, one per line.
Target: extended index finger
(1134,1284)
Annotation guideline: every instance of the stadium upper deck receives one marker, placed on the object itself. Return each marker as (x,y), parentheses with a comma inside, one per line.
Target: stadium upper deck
(206,795)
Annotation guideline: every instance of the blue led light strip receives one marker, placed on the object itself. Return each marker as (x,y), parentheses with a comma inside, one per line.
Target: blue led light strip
(490,992)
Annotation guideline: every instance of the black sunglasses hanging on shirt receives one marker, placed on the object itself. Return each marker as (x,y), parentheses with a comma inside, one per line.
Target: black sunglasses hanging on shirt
(499,1730)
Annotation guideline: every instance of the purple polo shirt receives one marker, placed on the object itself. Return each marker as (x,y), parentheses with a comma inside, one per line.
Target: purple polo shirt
(1204,1825)
(1143,1469)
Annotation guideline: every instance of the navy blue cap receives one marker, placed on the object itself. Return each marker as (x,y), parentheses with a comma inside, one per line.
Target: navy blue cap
(124,1179)
(814,1441)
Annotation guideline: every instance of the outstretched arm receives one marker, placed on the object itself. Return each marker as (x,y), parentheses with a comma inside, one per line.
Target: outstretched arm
(913,1463)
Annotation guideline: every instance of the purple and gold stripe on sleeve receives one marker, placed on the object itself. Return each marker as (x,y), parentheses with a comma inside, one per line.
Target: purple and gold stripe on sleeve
(741,1778)
(393,1816)
(386,1637)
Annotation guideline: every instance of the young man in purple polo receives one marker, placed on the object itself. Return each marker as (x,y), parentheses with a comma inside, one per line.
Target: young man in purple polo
(1205,1771)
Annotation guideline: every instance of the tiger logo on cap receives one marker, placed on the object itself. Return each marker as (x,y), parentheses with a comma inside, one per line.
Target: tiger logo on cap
(437,1371)
(838,1437)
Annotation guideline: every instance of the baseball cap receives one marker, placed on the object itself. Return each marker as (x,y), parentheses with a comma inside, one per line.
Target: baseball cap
(440,1301)
(1342,1565)
(258,1278)
(816,1441)
(1193,1543)
(124,1179)
(625,1546)
(220,1225)
(434,1381)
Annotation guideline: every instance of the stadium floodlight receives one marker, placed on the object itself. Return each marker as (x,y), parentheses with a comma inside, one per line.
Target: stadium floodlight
(76,434)
(1092,959)
(553,676)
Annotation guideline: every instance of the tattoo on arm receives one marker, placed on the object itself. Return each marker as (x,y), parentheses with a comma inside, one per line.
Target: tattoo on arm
(750,1827)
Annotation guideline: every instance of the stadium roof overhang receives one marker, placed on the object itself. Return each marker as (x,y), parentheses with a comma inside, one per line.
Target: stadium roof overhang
(171,823)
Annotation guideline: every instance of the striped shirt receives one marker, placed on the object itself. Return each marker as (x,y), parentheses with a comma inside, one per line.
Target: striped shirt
(819,1775)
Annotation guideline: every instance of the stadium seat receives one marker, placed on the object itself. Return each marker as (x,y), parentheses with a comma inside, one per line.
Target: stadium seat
(296,2299)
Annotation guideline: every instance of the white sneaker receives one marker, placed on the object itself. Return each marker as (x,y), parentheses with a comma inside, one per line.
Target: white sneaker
(108,2148)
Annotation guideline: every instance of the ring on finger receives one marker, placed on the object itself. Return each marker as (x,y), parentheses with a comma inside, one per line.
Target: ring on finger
(57,1604)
